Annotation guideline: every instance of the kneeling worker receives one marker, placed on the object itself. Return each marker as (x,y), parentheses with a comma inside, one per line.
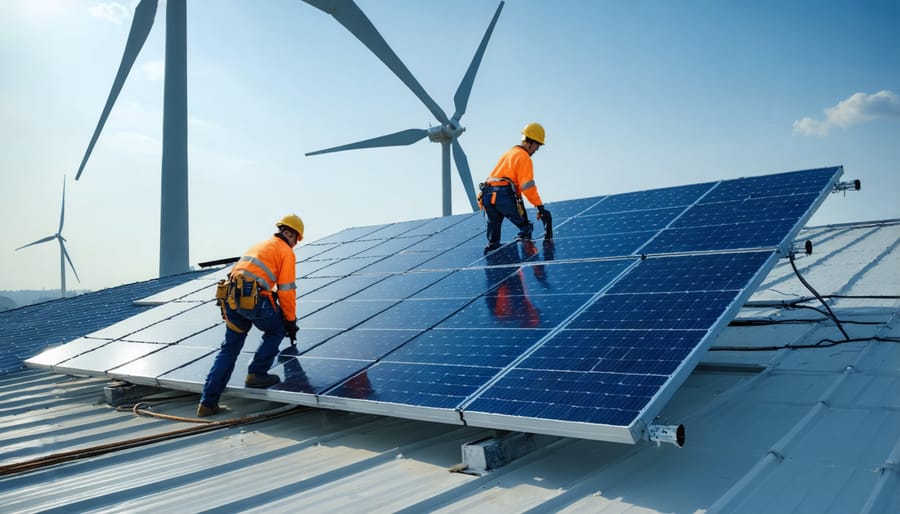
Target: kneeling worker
(267,270)
(513,177)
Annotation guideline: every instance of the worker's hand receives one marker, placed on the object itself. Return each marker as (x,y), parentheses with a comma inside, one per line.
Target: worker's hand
(543,214)
(290,330)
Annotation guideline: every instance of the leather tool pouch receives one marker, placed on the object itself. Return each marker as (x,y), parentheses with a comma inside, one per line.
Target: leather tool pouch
(246,293)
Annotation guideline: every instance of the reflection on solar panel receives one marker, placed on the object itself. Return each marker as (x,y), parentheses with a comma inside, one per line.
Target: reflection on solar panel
(585,335)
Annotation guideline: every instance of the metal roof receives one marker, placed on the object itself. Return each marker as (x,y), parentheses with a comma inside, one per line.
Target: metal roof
(815,428)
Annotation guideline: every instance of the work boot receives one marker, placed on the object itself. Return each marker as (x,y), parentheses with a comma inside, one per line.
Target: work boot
(491,247)
(205,410)
(261,381)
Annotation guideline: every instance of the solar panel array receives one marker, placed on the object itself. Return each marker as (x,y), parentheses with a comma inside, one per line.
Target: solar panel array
(586,335)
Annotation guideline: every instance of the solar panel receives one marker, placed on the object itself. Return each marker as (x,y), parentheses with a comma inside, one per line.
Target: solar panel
(585,335)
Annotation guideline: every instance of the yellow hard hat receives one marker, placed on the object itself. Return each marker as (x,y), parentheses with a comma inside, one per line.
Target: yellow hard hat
(293,222)
(534,131)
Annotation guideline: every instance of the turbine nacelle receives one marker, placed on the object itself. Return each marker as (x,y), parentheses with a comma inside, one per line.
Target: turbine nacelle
(447,132)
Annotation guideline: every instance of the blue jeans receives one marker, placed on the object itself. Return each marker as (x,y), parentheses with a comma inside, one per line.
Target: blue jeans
(266,318)
(500,203)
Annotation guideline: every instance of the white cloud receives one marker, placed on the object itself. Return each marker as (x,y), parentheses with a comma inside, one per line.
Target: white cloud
(112,11)
(858,108)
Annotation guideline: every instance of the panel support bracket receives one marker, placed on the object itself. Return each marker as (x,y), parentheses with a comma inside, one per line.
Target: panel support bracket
(118,392)
(483,455)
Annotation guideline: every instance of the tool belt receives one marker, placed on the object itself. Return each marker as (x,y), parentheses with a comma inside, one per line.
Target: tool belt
(238,292)
(493,182)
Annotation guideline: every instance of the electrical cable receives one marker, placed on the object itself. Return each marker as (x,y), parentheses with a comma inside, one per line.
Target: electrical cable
(817,295)
(208,426)
(822,343)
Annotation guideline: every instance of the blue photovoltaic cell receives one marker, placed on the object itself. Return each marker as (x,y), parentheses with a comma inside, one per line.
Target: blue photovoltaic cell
(592,397)
(621,222)
(467,283)
(587,334)
(711,272)
(340,268)
(307,285)
(399,263)
(361,344)
(676,311)
(350,234)
(390,246)
(794,182)
(645,352)
(652,199)
(416,314)
(493,348)
(754,210)
(343,315)
(310,251)
(436,225)
(569,208)
(338,289)
(502,308)
(448,241)
(395,230)
(422,385)
(398,287)
(351,249)
(563,247)
(572,277)
(313,375)
(725,237)
(456,258)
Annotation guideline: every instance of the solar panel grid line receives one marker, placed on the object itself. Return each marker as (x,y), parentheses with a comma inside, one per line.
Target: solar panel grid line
(549,336)
(674,220)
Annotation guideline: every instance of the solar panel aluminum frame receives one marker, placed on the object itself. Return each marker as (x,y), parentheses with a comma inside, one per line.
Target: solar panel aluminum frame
(380,408)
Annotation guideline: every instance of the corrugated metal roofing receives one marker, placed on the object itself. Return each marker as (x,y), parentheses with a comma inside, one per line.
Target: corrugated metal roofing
(792,430)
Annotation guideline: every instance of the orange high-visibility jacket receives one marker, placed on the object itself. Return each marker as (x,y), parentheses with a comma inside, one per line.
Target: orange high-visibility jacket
(272,264)
(516,165)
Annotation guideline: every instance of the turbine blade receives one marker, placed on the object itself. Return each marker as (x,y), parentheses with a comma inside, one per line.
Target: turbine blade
(62,210)
(39,241)
(348,14)
(461,98)
(66,255)
(462,166)
(402,138)
(144,14)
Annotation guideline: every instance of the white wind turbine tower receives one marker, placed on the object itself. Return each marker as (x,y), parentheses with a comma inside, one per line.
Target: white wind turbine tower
(63,254)
(449,130)
(173,227)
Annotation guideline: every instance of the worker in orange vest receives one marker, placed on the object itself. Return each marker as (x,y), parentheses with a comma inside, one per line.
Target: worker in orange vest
(513,177)
(260,291)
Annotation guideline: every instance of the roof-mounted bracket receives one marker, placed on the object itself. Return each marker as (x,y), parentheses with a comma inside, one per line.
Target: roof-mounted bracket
(850,185)
(672,434)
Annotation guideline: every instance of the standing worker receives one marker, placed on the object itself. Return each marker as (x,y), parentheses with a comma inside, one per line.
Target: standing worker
(501,194)
(261,281)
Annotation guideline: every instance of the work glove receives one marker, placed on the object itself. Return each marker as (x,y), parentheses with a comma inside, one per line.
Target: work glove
(290,330)
(543,214)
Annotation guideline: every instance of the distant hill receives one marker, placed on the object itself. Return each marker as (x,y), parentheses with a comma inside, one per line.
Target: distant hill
(13,299)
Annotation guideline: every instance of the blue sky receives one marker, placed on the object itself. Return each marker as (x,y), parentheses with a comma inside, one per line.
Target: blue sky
(634,95)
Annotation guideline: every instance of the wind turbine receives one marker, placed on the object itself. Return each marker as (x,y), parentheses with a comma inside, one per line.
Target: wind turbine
(63,254)
(173,227)
(447,133)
